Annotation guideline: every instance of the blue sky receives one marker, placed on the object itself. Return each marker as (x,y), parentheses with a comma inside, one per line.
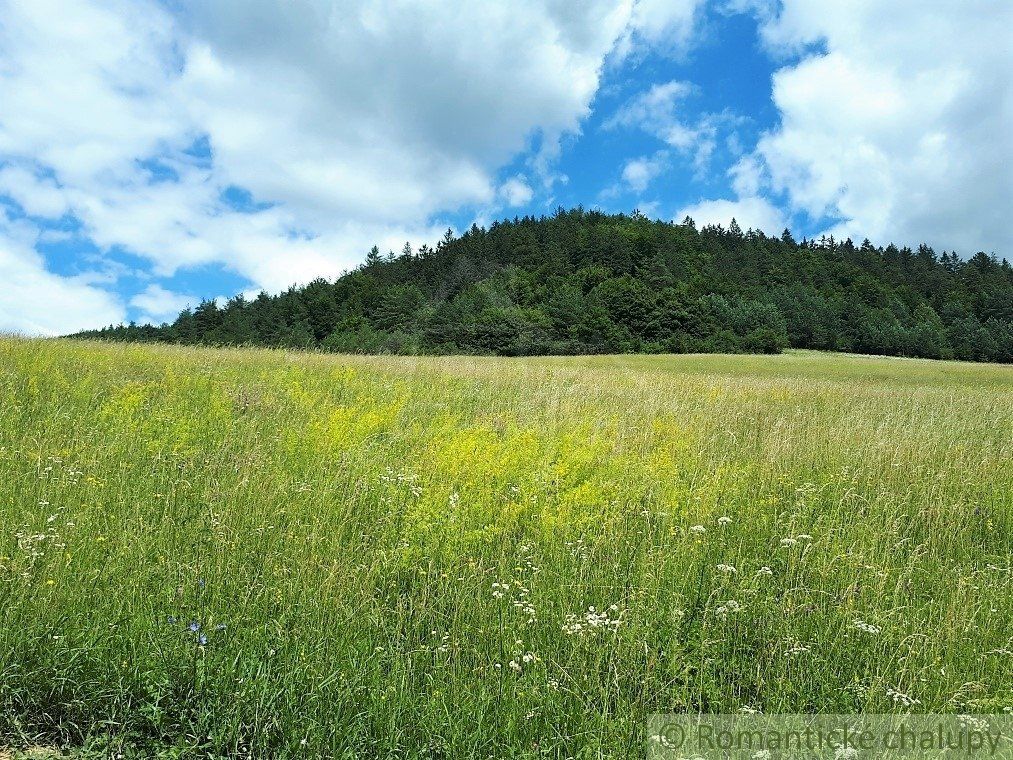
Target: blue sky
(156,153)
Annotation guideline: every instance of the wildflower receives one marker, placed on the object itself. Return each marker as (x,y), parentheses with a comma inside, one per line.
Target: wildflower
(193,627)
(592,622)
(973,723)
(788,541)
(202,640)
(170,619)
(698,529)
(724,521)
(867,627)
(515,666)
(901,698)
(765,571)
(727,608)
(727,569)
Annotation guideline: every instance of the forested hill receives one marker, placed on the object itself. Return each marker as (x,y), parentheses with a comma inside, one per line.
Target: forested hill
(586,282)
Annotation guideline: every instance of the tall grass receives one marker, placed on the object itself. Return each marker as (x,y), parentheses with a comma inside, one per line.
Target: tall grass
(253,553)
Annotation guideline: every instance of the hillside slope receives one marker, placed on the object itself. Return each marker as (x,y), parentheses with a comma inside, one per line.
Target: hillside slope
(585,282)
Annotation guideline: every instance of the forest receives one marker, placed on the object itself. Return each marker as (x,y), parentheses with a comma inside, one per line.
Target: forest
(585,282)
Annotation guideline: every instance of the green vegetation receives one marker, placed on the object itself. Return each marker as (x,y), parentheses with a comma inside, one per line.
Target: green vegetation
(586,283)
(468,556)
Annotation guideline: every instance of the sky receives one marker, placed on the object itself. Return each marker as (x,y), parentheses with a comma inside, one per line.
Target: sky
(154,153)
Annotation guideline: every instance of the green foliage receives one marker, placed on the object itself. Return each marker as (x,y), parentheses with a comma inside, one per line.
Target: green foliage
(456,557)
(584,282)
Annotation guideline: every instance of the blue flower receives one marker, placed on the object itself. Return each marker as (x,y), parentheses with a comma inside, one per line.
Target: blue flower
(194,626)
(170,619)
(202,640)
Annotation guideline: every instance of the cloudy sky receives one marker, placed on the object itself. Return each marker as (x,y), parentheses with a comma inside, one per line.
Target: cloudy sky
(156,152)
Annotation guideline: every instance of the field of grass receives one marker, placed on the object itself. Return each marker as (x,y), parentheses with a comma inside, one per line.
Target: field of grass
(256,553)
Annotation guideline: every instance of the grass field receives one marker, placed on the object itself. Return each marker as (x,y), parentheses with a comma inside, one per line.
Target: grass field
(230,552)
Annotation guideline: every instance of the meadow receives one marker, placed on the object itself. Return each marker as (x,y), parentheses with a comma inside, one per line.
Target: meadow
(256,553)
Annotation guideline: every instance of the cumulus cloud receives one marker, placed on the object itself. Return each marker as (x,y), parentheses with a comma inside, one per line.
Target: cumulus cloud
(639,172)
(516,191)
(158,304)
(344,123)
(36,302)
(901,127)
(750,213)
(665,25)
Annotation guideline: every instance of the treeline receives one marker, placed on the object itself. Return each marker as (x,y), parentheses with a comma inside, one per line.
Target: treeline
(586,282)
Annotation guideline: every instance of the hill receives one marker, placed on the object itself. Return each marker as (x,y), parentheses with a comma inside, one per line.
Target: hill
(583,282)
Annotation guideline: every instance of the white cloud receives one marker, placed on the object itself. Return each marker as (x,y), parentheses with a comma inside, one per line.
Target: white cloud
(751,212)
(747,176)
(36,302)
(159,304)
(902,126)
(516,191)
(353,122)
(37,196)
(656,111)
(665,25)
(639,172)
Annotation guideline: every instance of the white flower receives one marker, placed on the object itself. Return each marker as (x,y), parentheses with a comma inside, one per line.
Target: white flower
(727,608)
(724,521)
(727,569)
(788,541)
(592,622)
(765,571)
(901,698)
(698,529)
(867,627)
(515,666)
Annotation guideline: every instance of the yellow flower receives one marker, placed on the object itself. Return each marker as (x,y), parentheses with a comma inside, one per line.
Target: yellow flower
(50,582)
